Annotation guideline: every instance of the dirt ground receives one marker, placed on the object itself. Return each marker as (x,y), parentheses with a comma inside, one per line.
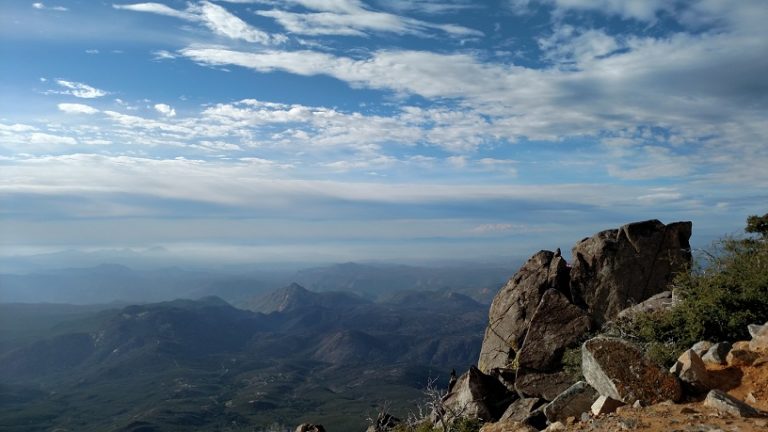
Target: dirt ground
(749,384)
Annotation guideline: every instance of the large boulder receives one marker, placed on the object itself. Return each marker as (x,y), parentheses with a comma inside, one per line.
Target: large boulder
(546,385)
(618,369)
(514,306)
(477,395)
(556,325)
(621,267)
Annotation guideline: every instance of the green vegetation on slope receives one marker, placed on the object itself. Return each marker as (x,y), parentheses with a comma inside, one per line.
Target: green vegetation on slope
(717,300)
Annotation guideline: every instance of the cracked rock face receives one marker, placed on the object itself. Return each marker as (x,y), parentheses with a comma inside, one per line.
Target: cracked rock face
(617,268)
(514,306)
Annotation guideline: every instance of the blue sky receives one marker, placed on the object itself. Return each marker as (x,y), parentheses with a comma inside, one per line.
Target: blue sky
(350,130)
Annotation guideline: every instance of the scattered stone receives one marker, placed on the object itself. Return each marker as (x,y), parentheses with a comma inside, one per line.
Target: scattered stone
(751,398)
(717,353)
(476,394)
(575,400)
(726,403)
(556,325)
(757,330)
(507,426)
(584,417)
(556,426)
(605,405)
(688,410)
(739,357)
(740,345)
(702,347)
(761,423)
(514,306)
(691,370)
(521,409)
(309,427)
(760,361)
(617,268)
(638,404)
(619,369)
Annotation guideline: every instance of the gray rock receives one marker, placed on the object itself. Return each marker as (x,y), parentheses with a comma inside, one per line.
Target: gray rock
(660,302)
(617,268)
(701,347)
(620,370)
(757,330)
(546,385)
(691,370)
(605,405)
(717,353)
(521,410)
(478,395)
(514,306)
(759,333)
(556,325)
(571,403)
(726,403)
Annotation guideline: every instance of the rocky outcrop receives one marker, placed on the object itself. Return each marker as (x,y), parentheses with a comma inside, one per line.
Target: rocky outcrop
(619,370)
(572,402)
(477,395)
(617,268)
(514,306)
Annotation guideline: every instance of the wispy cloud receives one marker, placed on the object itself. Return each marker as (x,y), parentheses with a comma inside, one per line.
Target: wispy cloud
(43,6)
(216,18)
(74,108)
(79,90)
(165,110)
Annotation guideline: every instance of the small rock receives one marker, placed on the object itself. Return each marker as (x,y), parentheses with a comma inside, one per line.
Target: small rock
(556,426)
(507,426)
(751,398)
(739,357)
(760,361)
(572,402)
(691,370)
(605,405)
(761,423)
(740,345)
(759,342)
(309,427)
(637,404)
(688,410)
(584,417)
(702,347)
(717,353)
(726,403)
(757,330)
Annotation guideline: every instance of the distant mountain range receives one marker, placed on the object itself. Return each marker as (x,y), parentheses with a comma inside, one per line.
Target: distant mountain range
(106,283)
(204,364)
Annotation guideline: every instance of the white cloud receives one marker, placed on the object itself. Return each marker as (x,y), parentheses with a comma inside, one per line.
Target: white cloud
(40,138)
(74,108)
(80,90)
(165,110)
(42,6)
(216,18)
(352,18)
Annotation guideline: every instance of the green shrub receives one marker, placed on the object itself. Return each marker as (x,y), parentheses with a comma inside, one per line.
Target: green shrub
(717,302)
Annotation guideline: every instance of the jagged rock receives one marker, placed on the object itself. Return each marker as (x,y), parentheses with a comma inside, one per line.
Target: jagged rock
(521,409)
(726,403)
(605,405)
(309,427)
(555,427)
(546,385)
(617,268)
(717,353)
(619,370)
(505,376)
(571,403)
(477,395)
(738,357)
(759,333)
(702,347)
(691,370)
(555,325)
(660,302)
(514,306)
(507,426)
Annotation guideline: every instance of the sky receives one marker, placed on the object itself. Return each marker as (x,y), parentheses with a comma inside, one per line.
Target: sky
(394,130)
